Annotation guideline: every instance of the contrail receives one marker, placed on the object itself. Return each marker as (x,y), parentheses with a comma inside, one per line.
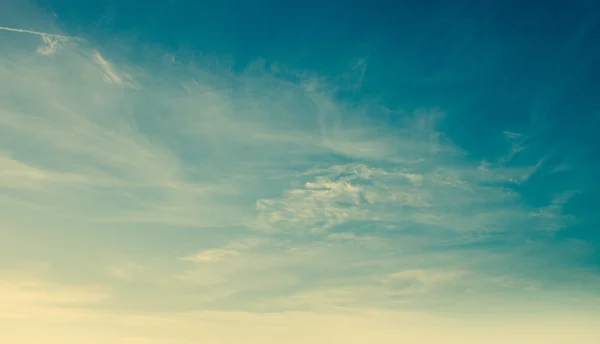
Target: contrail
(43,34)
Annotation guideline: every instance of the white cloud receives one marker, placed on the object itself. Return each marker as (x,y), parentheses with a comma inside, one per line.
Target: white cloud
(231,250)
(52,42)
(350,236)
(111,75)
(38,33)
(425,277)
(211,256)
(512,135)
(99,147)
(460,198)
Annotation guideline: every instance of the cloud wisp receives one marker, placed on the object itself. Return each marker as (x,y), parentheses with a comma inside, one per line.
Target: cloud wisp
(41,34)
(52,42)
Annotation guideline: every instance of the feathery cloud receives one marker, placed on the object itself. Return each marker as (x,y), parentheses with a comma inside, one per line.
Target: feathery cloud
(172,197)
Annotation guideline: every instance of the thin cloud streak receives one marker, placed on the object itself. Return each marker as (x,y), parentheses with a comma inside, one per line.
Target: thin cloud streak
(42,34)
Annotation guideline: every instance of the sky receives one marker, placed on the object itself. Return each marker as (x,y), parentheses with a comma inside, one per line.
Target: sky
(224,172)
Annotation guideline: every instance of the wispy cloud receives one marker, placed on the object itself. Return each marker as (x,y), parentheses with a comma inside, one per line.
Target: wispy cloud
(52,42)
(187,196)
(38,33)
(460,198)
(211,255)
(111,75)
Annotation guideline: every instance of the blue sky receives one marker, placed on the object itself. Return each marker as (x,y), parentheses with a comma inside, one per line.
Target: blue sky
(270,172)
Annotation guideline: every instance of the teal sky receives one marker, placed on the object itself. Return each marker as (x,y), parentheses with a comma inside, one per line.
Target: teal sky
(277,172)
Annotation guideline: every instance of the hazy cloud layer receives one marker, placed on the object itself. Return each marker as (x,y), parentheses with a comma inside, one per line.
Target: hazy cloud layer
(167,201)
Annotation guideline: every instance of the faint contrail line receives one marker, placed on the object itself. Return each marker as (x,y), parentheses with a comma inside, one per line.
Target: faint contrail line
(43,34)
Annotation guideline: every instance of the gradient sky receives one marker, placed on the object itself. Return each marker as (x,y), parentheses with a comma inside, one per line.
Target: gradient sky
(223,172)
